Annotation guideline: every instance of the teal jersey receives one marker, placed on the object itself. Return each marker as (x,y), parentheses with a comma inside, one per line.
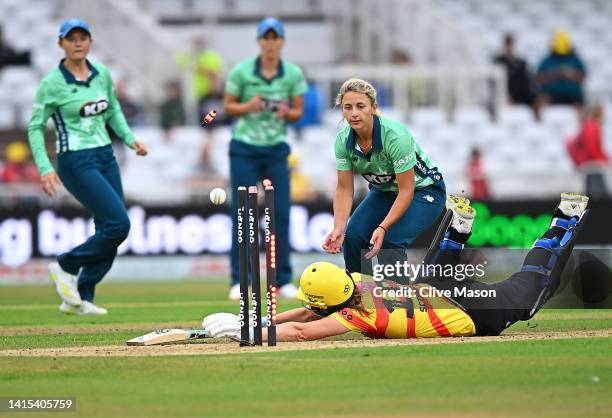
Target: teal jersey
(394,151)
(245,81)
(80,110)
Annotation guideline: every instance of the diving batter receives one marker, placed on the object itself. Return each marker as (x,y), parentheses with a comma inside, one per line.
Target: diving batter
(337,301)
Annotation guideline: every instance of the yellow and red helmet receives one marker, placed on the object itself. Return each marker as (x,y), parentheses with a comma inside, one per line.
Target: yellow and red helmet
(324,285)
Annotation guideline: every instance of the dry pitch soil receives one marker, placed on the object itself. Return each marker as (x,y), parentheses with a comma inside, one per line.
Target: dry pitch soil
(222,346)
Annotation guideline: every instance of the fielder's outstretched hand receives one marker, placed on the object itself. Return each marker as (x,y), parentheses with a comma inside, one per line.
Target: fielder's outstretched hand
(376,242)
(333,241)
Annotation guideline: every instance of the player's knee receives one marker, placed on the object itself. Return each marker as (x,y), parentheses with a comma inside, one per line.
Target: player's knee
(118,229)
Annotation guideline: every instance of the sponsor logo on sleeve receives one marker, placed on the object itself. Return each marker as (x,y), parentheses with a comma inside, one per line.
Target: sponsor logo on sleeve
(404,160)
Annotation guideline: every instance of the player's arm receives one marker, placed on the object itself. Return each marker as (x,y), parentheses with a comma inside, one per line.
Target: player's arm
(41,112)
(233,107)
(295,110)
(315,330)
(296,315)
(405,184)
(114,116)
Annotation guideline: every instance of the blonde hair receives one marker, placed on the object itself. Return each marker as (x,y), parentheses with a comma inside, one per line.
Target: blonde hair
(359,86)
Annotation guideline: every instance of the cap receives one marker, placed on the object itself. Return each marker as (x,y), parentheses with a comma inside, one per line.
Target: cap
(561,43)
(270,23)
(17,152)
(71,24)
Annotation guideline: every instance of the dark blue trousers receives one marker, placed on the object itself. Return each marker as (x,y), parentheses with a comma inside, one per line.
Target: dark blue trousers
(427,205)
(250,164)
(92,177)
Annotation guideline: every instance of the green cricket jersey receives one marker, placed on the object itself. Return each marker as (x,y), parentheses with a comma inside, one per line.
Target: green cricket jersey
(80,110)
(245,81)
(394,151)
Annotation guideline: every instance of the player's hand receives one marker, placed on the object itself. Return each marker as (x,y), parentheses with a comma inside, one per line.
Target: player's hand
(376,242)
(255,104)
(222,325)
(50,183)
(333,242)
(282,111)
(140,148)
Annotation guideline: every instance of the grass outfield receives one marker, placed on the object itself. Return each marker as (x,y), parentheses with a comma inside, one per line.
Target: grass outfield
(560,377)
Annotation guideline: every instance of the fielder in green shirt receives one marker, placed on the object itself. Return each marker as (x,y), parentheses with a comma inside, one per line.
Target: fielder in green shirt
(78,95)
(407,192)
(264,93)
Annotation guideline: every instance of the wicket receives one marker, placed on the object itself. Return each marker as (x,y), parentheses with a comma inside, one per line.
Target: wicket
(247,220)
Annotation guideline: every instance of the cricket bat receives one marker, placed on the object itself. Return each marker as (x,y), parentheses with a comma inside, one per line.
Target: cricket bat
(169,335)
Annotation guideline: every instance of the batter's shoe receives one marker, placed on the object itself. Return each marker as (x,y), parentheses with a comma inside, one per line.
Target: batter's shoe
(573,204)
(463,213)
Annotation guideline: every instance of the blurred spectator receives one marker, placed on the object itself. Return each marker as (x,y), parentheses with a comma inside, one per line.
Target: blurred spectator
(312,109)
(519,78)
(131,108)
(399,56)
(478,181)
(8,56)
(301,187)
(207,66)
(18,167)
(419,88)
(588,154)
(561,73)
(172,111)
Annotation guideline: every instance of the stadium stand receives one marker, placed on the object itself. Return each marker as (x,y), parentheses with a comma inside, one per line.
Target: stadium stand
(515,147)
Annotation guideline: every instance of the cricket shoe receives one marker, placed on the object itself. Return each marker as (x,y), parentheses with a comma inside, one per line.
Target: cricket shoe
(288,291)
(86,308)
(89,308)
(463,213)
(573,204)
(234,293)
(68,309)
(65,285)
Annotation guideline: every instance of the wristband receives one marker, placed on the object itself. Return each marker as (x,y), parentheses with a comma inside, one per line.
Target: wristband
(383,228)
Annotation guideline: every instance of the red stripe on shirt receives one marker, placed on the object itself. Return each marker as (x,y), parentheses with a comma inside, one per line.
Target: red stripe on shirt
(410,328)
(358,322)
(436,322)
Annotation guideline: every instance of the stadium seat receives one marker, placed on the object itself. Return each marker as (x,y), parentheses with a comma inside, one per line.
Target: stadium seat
(428,117)
(515,117)
(471,118)
(7,116)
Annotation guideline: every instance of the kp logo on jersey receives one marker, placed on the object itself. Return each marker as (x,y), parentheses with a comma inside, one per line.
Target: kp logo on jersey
(94,108)
(378,178)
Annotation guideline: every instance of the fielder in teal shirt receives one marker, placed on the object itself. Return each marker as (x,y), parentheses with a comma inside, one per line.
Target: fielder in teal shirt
(79,96)
(407,192)
(264,93)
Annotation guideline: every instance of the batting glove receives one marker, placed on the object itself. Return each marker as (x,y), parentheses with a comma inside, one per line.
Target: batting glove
(224,325)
